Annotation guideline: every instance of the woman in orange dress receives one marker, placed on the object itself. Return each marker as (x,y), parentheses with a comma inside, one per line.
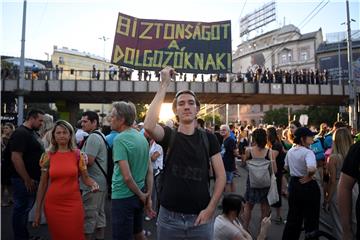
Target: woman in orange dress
(63,163)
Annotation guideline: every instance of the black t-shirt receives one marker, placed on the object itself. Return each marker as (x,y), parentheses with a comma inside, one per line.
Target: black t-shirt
(28,142)
(280,159)
(351,167)
(186,176)
(219,137)
(227,153)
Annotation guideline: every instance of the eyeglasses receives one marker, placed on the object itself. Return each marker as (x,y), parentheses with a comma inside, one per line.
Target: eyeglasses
(185,91)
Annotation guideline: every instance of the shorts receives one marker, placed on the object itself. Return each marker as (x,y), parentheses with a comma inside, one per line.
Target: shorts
(94,207)
(229,177)
(127,217)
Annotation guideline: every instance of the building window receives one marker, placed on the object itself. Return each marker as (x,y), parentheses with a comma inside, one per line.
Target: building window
(304,55)
(283,58)
(61,60)
(289,56)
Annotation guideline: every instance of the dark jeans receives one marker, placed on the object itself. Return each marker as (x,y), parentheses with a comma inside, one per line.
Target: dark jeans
(304,206)
(23,202)
(127,216)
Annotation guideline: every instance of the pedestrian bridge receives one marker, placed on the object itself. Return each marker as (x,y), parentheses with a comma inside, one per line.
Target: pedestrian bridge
(107,91)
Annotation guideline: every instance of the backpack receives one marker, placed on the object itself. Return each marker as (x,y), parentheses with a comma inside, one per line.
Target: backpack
(318,148)
(110,164)
(259,171)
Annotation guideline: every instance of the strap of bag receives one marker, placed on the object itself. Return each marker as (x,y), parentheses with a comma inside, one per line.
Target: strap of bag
(107,149)
(269,153)
(170,146)
(205,140)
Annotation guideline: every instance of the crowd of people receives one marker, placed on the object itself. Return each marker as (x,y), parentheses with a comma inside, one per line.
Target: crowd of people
(296,76)
(260,74)
(163,171)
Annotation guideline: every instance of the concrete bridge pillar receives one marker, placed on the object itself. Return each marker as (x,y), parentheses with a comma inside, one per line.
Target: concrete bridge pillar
(68,111)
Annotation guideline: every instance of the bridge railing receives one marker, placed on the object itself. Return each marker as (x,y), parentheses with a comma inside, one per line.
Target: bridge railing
(153,86)
(128,75)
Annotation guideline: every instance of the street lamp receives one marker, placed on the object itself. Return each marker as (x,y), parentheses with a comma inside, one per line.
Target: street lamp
(103,38)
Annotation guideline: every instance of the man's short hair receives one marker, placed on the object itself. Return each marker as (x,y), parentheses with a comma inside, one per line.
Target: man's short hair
(92,116)
(226,127)
(126,111)
(33,113)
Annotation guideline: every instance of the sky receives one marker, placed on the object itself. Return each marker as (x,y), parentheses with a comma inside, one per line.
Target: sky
(78,24)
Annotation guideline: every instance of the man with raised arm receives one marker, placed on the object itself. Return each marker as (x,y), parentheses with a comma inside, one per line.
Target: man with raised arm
(186,207)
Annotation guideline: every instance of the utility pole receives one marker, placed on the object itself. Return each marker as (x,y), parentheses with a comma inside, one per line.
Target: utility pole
(22,71)
(352,86)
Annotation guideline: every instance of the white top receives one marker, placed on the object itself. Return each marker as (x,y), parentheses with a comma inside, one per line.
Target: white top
(158,163)
(299,159)
(79,135)
(224,229)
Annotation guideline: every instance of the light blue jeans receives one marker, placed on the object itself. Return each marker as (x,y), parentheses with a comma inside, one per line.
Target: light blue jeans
(176,226)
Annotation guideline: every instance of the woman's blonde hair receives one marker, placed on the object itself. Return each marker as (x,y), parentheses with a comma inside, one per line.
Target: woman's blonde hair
(342,141)
(71,144)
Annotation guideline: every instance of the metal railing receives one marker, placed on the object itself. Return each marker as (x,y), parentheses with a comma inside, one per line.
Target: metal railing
(128,75)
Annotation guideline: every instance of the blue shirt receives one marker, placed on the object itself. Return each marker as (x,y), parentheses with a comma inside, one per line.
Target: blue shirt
(110,138)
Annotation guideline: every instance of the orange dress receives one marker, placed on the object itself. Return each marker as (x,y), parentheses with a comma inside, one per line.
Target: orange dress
(63,204)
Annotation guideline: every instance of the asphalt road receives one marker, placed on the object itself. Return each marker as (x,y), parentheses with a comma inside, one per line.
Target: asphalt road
(275,231)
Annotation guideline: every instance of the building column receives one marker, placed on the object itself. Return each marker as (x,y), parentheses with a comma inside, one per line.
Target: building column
(68,111)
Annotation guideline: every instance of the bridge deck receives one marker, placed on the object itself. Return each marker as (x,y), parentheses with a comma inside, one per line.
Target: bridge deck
(92,91)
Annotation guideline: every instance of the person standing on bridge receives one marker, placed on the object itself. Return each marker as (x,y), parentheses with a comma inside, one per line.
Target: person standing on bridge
(186,207)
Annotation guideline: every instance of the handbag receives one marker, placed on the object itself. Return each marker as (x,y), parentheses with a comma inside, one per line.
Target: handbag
(273,195)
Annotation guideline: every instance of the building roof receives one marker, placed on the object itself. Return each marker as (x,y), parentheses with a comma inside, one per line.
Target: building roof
(77,53)
(282,30)
(309,35)
(29,62)
(329,47)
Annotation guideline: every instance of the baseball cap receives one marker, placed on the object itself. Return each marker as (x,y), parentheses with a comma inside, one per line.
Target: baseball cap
(303,132)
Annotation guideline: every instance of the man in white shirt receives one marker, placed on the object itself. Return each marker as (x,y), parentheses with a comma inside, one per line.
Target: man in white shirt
(156,156)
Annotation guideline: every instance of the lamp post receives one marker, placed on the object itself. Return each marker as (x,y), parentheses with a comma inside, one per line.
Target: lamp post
(352,86)
(103,38)
(22,71)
